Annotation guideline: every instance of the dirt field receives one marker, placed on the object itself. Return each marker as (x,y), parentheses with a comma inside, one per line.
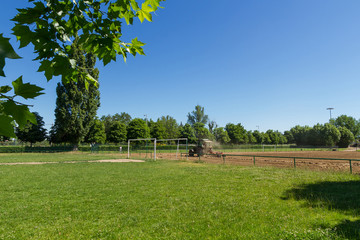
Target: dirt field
(308,163)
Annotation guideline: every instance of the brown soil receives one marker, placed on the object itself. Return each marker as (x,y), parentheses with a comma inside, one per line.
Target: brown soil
(308,163)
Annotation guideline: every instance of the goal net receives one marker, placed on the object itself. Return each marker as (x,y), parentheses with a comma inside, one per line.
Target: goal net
(172,149)
(142,148)
(152,148)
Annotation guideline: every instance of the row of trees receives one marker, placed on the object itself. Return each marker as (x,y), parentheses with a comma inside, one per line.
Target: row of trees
(121,127)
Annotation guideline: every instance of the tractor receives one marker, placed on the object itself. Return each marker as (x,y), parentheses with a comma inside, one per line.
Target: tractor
(204,146)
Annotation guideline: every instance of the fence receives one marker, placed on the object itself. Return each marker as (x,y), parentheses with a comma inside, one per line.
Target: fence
(270,148)
(284,161)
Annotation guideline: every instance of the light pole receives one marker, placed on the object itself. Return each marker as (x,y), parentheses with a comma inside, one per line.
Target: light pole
(330,108)
(145,115)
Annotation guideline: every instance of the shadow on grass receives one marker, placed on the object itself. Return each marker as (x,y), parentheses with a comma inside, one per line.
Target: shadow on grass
(336,196)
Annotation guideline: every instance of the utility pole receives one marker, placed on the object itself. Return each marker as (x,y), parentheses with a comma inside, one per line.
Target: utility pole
(330,108)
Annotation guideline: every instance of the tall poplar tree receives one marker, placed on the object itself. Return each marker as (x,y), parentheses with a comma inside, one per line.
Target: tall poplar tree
(77,101)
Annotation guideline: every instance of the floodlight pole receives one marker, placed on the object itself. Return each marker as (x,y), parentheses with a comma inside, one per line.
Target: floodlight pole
(330,108)
(145,115)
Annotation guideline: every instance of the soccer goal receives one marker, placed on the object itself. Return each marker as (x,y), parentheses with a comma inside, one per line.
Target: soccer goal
(152,148)
(173,149)
(142,148)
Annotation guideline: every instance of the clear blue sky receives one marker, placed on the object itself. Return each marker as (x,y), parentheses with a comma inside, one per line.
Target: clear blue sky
(267,63)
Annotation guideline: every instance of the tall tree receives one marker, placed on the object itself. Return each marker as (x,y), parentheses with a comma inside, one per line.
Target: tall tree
(109,120)
(201,132)
(188,132)
(330,135)
(300,134)
(258,136)
(117,132)
(237,133)
(250,137)
(96,133)
(32,133)
(170,125)
(346,138)
(123,117)
(137,128)
(349,122)
(197,116)
(157,130)
(221,135)
(77,101)
(212,125)
(315,135)
(289,137)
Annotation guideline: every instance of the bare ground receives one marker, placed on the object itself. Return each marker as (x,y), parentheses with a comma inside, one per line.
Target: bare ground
(309,161)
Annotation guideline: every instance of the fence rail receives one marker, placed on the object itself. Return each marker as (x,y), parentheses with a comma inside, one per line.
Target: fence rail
(350,161)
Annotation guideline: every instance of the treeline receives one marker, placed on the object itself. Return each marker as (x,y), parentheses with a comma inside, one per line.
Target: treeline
(341,131)
(119,128)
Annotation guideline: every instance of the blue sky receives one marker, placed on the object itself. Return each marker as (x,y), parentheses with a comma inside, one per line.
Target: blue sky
(268,63)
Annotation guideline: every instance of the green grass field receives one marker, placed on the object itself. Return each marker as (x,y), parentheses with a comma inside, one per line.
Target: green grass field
(56,157)
(173,200)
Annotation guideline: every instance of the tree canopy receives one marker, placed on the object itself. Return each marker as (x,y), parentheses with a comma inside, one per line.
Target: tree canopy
(197,116)
(96,133)
(348,122)
(137,128)
(51,26)
(32,133)
(117,132)
(237,133)
(76,105)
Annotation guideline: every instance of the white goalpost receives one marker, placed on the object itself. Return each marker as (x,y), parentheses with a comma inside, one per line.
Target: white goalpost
(143,139)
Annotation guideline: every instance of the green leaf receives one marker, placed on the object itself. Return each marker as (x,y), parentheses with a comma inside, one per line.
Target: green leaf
(23,33)
(6,127)
(5,89)
(140,15)
(26,90)
(155,4)
(146,8)
(6,51)
(20,113)
(46,66)
(92,80)
(134,5)
(129,16)
(143,14)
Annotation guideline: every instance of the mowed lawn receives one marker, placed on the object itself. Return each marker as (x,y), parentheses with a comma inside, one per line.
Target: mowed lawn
(56,157)
(175,200)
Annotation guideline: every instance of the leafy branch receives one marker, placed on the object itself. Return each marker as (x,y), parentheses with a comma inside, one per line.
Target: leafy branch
(51,26)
